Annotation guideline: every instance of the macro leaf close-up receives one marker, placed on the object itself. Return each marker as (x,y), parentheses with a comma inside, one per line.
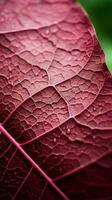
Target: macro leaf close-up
(55,104)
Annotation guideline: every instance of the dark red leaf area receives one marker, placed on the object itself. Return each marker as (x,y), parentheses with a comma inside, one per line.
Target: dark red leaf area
(91,182)
(19,179)
(55,104)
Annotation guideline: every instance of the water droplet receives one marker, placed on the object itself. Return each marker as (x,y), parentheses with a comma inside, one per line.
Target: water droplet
(94,108)
(47,31)
(55,140)
(68,131)
(94,137)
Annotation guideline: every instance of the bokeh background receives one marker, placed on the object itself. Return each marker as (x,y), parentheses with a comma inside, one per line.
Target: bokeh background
(100,12)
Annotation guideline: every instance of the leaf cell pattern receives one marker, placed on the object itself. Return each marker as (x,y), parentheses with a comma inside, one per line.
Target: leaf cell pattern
(55,104)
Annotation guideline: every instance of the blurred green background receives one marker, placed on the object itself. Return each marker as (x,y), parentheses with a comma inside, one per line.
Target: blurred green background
(100,13)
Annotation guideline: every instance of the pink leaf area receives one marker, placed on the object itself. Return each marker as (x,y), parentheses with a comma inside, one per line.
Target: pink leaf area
(55,104)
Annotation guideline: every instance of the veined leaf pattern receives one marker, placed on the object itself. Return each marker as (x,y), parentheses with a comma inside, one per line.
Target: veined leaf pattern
(55,104)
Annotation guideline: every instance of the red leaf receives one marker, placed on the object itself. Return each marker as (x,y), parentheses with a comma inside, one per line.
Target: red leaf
(55,104)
